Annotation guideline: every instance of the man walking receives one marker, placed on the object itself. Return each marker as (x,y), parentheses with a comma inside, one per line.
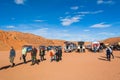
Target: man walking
(108,53)
(42,54)
(33,56)
(12,56)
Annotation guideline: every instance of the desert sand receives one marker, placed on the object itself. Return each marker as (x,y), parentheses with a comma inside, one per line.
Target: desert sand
(74,66)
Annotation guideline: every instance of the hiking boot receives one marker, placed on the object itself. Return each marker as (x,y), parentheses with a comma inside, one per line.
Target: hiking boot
(37,63)
(13,64)
(32,64)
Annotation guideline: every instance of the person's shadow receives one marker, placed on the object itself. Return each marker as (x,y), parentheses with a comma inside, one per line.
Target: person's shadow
(9,66)
(117,56)
(102,58)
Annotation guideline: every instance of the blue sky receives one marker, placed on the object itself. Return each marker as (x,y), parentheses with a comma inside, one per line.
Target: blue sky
(88,20)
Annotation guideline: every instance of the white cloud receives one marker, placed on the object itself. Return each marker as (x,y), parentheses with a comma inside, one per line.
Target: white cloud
(105,2)
(74,7)
(49,33)
(38,20)
(84,12)
(65,30)
(100,1)
(100,25)
(41,32)
(96,12)
(86,30)
(106,33)
(67,21)
(10,27)
(19,1)
(90,12)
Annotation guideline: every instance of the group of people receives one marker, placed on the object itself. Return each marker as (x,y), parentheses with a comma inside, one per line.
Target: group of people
(55,54)
(33,55)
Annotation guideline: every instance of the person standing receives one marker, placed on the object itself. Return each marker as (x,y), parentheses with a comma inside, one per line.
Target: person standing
(33,56)
(52,54)
(111,47)
(59,54)
(108,53)
(12,56)
(42,54)
(56,54)
(101,48)
(24,53)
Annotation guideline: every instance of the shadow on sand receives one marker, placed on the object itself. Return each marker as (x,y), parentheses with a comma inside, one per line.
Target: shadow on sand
(9,66)
(103,58)
(117,56)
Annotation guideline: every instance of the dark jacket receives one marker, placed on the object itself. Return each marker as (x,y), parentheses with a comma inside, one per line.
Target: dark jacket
(34,52)
(12,53)
(108,51)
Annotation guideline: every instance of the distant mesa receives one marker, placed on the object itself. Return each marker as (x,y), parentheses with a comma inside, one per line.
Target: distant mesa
(18,39)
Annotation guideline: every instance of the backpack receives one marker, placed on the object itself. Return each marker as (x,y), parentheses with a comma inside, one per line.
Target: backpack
(108,51)
(35,50)
(42,53)
(51,53)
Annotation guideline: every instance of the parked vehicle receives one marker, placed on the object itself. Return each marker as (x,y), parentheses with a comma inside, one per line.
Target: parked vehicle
(95,46)
(43,47)
(116,46)
(28,47)
(69,46)
(103,45)
(49,48)
(81,47)
(59,47)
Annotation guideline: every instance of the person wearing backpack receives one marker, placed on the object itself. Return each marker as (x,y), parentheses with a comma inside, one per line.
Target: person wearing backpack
(111,47)
(108,53)
(42,54)
(33,56)
(12,56)
(24,53)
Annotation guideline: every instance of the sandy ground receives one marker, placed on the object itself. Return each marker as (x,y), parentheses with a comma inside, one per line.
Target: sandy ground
(74,66)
